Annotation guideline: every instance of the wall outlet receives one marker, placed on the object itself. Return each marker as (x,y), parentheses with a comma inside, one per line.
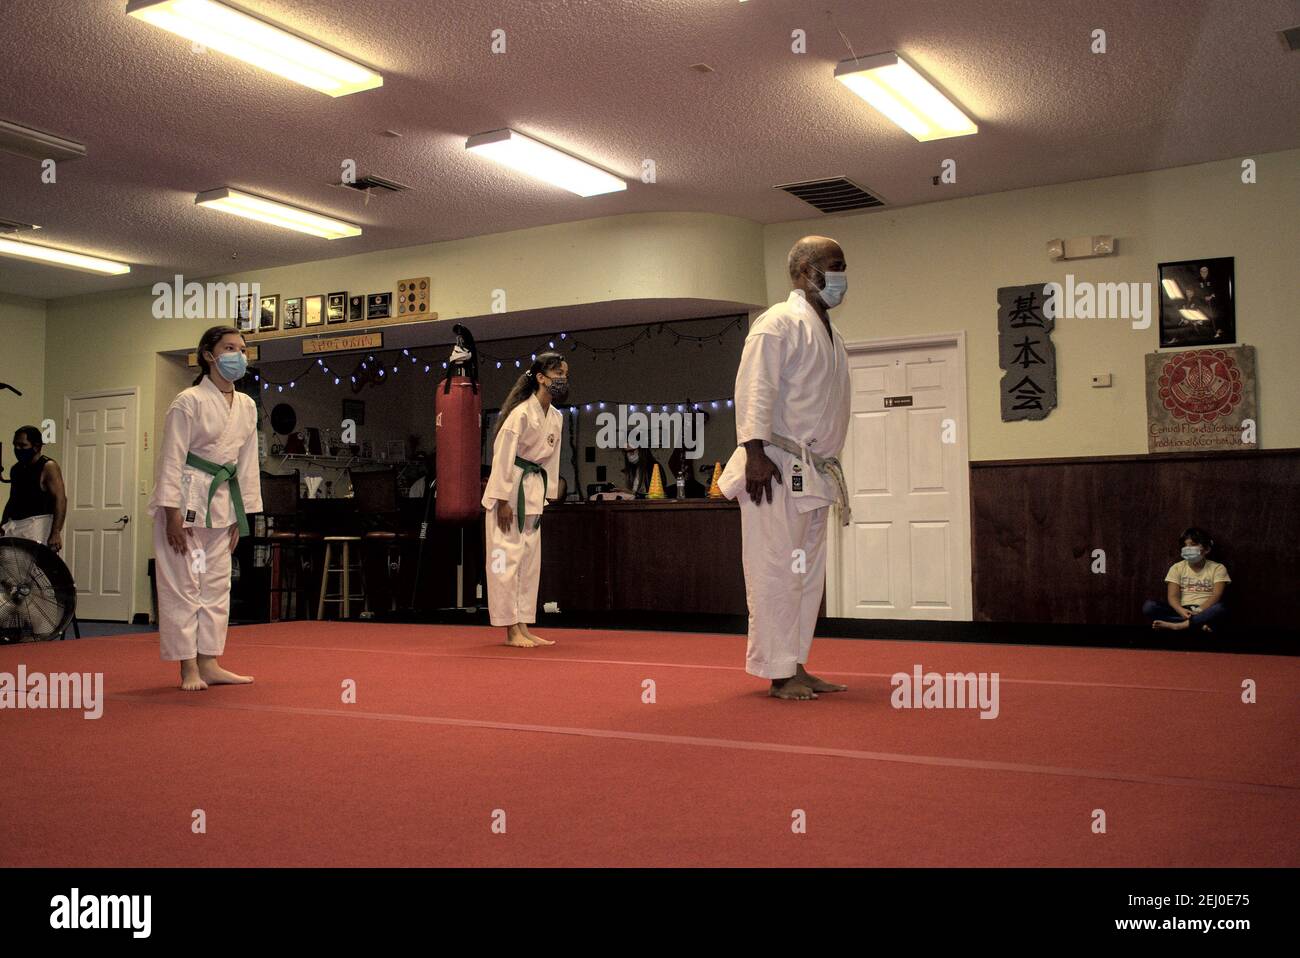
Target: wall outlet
(1101,381)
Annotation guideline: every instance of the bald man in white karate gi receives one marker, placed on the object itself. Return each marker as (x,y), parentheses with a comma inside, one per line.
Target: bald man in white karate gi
(792,414)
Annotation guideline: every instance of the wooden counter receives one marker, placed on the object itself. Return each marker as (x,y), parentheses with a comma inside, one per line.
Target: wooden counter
(656,555)
(635,555)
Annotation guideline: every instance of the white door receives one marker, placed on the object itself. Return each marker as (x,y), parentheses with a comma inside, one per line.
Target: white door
(906,554)
(99,469)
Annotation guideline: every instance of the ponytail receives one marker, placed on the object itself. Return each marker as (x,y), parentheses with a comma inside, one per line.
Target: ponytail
(526,385)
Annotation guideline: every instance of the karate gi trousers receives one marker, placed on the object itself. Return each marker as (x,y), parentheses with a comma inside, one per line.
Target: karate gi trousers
(784,592)
(514,567)
(36,528)
(193,591)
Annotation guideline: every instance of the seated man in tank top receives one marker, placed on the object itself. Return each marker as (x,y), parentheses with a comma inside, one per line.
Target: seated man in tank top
(37,503)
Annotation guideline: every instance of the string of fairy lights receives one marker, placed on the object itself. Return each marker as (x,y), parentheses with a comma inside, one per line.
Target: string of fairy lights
(378,368)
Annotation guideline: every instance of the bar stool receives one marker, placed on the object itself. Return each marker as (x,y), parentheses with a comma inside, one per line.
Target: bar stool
(375,495)
(350,561)
(291,547)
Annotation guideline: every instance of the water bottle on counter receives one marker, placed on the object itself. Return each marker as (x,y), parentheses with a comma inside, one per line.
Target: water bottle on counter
(681,485)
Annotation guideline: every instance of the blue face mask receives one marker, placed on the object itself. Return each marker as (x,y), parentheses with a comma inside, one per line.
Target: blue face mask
(834,285)
(1191,553)
(232,366)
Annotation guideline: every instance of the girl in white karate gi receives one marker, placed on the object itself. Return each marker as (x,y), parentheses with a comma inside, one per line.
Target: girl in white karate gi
(525,472)
(208,484)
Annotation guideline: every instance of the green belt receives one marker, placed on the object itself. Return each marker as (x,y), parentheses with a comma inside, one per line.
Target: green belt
(528,467)
(227,473)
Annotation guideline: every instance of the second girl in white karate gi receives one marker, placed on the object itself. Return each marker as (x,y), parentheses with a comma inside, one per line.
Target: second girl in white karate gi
(525,473)
(208,484)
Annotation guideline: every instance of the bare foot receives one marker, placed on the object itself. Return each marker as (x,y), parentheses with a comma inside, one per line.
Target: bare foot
(191,681)
(791,689)
(536,638)
(516,636)
(1206,628)
(212,673)
(816,684)
(1161,624)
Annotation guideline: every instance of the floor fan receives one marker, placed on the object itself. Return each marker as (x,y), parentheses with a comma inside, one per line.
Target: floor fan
(37,596)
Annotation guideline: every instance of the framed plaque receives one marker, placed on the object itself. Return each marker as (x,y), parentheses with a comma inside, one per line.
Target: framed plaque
(336,308)
(379,305)
(314,310)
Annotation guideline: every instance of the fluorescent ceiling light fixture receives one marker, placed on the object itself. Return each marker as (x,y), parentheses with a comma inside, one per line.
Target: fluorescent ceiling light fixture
(543,162)
(254,41)
(277,214)
(895,88)
(37,144)
(60,257)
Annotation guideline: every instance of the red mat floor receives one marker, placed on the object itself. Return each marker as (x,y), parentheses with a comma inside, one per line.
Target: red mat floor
(450,727)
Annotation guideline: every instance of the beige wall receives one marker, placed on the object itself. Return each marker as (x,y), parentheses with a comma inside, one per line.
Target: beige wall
(937,268)
(22,365)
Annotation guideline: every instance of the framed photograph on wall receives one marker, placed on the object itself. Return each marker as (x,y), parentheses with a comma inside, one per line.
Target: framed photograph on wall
(313,308)
(1197,305)
(244,321)
(379,305)
(269,316)
(336,308)
(293,313)
(356,308)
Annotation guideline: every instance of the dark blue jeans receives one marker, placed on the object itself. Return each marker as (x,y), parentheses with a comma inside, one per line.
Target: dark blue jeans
(1214,615)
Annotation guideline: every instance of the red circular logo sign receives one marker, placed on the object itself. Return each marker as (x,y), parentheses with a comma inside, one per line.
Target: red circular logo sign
(1200,386)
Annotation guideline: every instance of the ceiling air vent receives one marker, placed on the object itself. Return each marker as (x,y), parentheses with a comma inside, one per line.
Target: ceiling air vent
(374,184)
(1290,38)
(836,195)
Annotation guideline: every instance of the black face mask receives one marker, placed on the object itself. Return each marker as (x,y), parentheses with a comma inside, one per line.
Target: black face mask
(559,389)
(24,456)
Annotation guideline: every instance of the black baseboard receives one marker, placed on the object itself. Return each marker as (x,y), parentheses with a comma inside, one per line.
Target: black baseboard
(1247,640)
(1255,641)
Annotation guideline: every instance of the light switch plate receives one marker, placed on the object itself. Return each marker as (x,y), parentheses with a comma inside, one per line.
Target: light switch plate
(1101,381)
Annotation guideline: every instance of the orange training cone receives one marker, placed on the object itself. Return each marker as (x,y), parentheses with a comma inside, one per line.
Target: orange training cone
(656,485)
(714,491)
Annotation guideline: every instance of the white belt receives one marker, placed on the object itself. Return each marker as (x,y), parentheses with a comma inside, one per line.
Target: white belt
(828,466)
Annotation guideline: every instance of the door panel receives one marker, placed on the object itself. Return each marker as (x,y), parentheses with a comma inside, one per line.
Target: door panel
(100,472)
(907,553)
